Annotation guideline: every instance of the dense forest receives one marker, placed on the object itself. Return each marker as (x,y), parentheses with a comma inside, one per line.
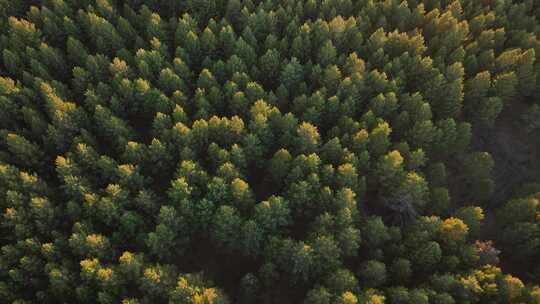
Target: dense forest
(270,151)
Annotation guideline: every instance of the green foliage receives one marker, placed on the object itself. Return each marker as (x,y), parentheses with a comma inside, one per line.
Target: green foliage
(478,167)
(372,273)
(518,225)
(472,217)
(223,151)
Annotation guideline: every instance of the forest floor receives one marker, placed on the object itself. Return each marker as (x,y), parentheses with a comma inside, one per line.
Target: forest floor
(517,161)
(516,153)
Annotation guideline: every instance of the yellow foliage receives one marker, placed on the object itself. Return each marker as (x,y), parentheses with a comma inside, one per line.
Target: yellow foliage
(8,86)
(89,266)
(126,258)
(39,202)
(239,187)
(105,274)
(395,158)
(28,178)
(126,170)
(113,189)
(454,230)
(348,298)
(96,241)
(152,274)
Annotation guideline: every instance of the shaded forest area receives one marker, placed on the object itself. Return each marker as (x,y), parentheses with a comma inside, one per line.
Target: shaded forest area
(270,151)
(515,152)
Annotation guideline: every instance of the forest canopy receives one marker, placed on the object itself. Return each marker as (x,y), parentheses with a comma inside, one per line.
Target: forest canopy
(270,151)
